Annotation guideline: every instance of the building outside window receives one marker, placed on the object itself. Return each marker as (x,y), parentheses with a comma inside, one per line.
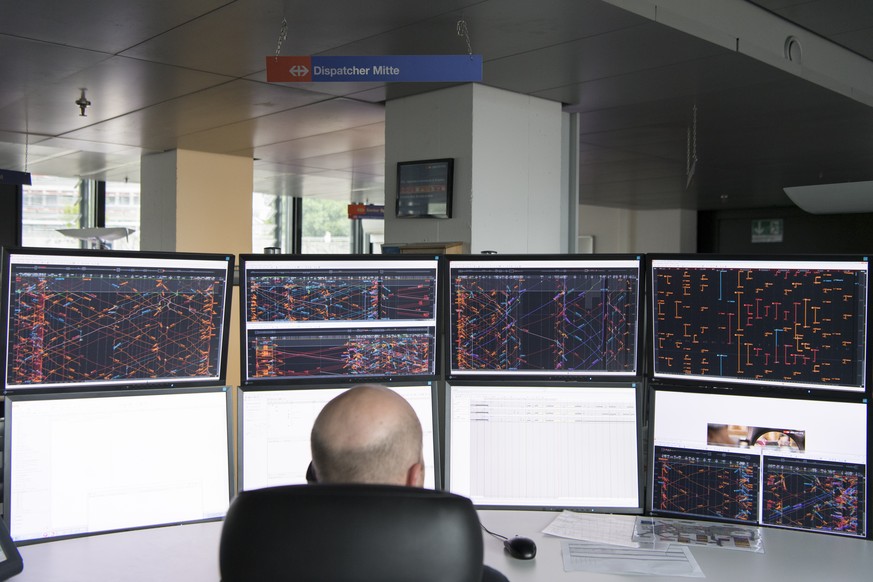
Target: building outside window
(265,222)
(326,227)
(50,203)
(123,210)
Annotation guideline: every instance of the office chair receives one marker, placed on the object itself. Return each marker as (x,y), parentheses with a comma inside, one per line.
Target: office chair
(349,533)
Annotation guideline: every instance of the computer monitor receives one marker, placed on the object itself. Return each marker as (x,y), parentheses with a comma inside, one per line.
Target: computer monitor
(789,323)
(567,317)
(81,319)
(274,428)
(82,463)
(329,318)
(786,462)
(545,447)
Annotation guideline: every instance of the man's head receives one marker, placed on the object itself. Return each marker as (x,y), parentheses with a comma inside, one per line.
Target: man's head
(368,434)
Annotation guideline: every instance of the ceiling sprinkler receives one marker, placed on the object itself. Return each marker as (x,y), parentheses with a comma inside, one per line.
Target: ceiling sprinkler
(83,104)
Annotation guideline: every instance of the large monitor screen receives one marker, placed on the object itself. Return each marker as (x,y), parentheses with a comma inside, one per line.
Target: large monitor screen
(329,318)
(545,446)
(538,316)
(790,323)
(784,462)
(275,426)
(424,188)
(77,319)
(82,463)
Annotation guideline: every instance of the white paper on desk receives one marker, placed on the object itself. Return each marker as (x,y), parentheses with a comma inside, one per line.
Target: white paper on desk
(594,527)
(592,557)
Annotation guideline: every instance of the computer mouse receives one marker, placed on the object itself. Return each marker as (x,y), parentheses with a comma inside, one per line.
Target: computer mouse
(521,547)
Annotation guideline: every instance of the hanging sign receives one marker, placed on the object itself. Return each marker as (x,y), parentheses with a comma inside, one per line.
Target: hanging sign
(357,210)
(380,69)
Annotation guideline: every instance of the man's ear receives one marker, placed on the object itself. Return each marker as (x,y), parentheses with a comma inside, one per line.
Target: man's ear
(415,475)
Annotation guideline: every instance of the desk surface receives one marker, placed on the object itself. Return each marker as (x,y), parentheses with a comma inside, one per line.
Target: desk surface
(788,556)
(189,553)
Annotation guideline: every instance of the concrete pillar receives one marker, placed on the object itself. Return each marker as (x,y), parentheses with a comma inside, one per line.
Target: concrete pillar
(510,194)
(199,202)
(196,201)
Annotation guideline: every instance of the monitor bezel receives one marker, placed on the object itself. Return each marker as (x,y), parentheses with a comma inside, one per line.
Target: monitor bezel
(640,433)
(714,382)
(316,261)
(656,387)
(448,186)
(12,564)
(25,397)
(240,420)
(121,384)
(548,375)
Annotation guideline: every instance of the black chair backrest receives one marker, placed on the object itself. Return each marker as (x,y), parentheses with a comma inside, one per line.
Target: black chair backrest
(345,533)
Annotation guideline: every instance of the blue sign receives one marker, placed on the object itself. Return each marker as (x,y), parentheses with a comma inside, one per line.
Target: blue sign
(380,69)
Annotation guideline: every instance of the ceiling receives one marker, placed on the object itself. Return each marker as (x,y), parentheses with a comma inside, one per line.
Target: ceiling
(165,74)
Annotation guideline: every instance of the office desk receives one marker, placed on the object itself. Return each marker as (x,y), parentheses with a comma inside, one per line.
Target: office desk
(189,553)
(796,556)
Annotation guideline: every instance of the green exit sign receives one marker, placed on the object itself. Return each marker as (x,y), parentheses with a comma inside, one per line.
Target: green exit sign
(767,230)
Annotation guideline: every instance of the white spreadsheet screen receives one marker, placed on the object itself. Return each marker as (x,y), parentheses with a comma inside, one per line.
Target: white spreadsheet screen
(541,446)
(276,425)
(100,463)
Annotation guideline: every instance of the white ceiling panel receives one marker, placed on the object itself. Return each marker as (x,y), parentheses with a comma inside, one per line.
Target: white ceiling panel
(320,118)
(162,125)
(164,74)
(614,54)
(117,24)
(235,39)
(115,87)
(29,66)
(341,147)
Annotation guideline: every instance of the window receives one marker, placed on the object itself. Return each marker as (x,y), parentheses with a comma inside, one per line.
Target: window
(122,210)
(265,221)
(326,227)
(53,203)
(48,204)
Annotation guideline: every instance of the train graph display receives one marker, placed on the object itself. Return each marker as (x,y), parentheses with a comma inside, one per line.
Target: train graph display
(791,463)
(321,318)
(800,324)
(77,319)
(544,317)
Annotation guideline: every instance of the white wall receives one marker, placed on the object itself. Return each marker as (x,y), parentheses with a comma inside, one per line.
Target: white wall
(158,208)
(517,187)
(618,230)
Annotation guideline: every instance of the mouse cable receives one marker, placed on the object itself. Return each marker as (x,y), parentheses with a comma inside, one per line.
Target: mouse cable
(496,535)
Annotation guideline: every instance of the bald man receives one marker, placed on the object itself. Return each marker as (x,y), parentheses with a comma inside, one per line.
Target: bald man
(368,434)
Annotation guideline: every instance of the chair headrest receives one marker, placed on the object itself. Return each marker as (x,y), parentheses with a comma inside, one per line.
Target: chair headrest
(350,532)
